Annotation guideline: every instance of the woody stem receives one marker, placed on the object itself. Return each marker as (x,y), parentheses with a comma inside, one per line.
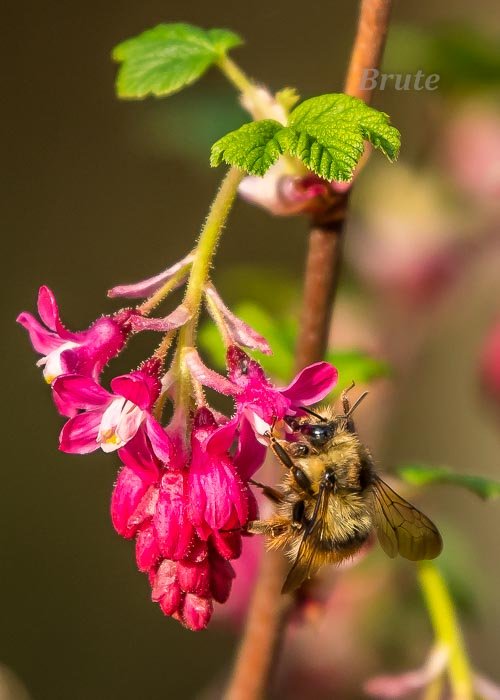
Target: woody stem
(266,622)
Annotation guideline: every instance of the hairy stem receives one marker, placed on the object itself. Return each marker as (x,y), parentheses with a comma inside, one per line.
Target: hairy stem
(200,269)
(235,75)
(446,628)
(266,621)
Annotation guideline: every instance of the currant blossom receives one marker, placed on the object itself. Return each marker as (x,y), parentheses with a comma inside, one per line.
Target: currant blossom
(109,420)
(259,403)
(65,352)
(186,513)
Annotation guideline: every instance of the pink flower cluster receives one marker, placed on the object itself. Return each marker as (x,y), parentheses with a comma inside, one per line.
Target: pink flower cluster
(183,490)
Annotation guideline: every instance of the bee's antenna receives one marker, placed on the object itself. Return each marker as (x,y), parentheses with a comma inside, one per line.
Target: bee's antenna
(356,404)
(312,413)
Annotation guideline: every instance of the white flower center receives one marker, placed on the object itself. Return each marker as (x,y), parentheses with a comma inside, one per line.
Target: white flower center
(119,423)
(51,363)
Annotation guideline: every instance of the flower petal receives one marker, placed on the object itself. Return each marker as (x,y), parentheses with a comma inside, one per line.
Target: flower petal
(222,437)
(80,392)
(207,376)
(79,434)
(145,288)
(194,577)
(165,578)
(47,307)
(137,387)
(138,455)
(196,612)
(127,495)
(160,442)
(43,341)
(239,332)
(147,552)
(222,575)
(227,544)
(176,319)
(312,384)
(250,453)
(174,530)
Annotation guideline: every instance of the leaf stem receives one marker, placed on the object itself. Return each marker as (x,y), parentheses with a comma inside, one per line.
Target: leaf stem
(446,628)
(235,75)
(266,622)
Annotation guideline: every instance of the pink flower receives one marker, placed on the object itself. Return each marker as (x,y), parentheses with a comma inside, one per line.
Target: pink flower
(258,401)
(218,498)
(178,509)
(285,193)
(110,420)
(64,352)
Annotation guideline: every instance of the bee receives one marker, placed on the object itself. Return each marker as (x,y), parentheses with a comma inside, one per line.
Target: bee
(331,499)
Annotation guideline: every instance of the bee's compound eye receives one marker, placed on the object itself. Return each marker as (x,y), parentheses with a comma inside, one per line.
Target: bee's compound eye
(319,433)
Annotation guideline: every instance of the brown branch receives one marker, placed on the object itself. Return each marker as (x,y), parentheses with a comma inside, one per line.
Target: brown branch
(268,611)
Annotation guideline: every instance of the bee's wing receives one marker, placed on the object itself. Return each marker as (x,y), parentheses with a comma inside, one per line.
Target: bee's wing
(306,564)
(402,528)
(308,561)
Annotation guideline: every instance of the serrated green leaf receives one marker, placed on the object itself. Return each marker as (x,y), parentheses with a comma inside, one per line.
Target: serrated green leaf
(326,133)
(254,147)
(421,475)
(331,130)
(162,60)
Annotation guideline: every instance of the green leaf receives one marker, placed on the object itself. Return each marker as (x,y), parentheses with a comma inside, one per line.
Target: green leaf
(254,147)
(163,60)
(421,475)
(331,131)
(327,133)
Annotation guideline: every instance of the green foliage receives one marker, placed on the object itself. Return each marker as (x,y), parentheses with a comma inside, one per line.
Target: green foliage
(353,365)
(163,60)
(327,133)
(421,475)
(254,147)
(464,58)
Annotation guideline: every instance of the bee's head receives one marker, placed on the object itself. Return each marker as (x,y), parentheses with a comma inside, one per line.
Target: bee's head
(318,434)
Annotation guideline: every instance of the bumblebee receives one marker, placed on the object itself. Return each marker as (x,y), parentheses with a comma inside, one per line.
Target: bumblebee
(331,499)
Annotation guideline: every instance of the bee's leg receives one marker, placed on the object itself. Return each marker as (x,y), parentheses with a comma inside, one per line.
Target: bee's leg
(273,494)
(346,405)
(298,513)
(279,451)
(270,528)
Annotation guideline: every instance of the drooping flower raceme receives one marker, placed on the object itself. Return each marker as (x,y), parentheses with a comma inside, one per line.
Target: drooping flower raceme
(183,490)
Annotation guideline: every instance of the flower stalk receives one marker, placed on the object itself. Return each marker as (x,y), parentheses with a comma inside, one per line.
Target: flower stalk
(446,629)
(198,278)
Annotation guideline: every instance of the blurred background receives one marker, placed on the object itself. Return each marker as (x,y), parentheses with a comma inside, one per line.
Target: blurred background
(100,192)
